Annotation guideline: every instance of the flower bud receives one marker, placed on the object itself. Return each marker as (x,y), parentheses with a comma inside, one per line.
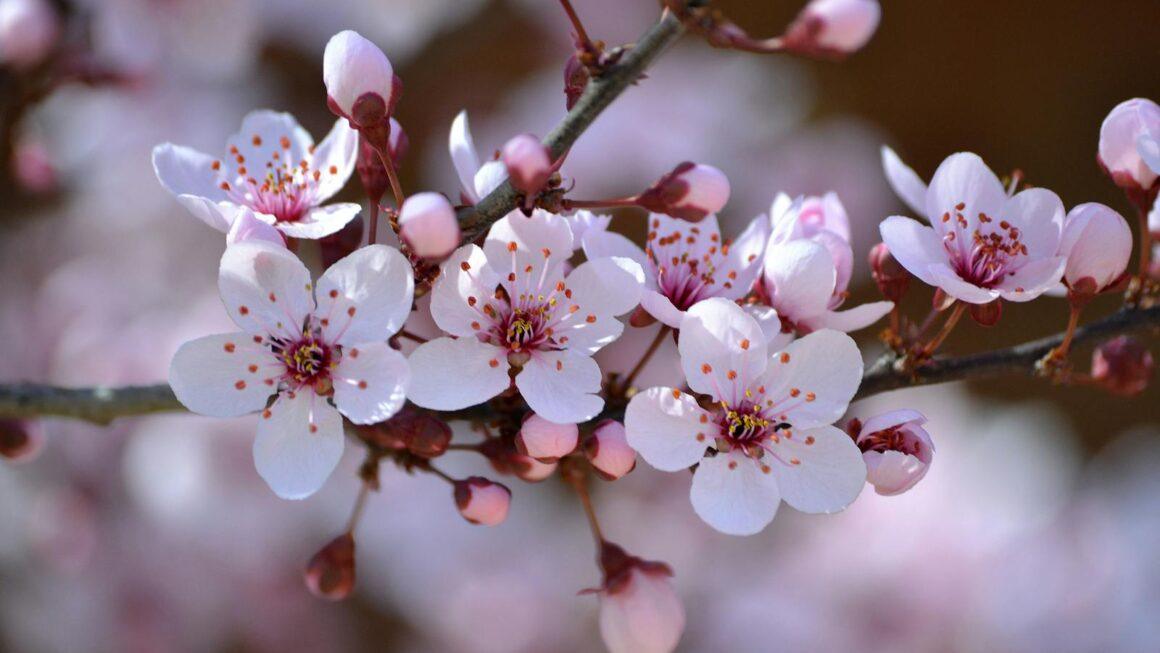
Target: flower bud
(1119,152)
(575,80)
(833,26)
(640,611)
(1122,366)
(330,573)
(893,280)
(353,67)
(427,223)
(528,163)
(546,441)
(529,469)
(32,168)
(1097,242)
(896,449)
(690,192)
(608,451)
(28,31)
(481,501)
(19,440)
(417,431)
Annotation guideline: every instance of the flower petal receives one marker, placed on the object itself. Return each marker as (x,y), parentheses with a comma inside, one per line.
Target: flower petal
(457,289)
(914,245)
(490,176)
(825,370)
(744,259)
(893,472)
(185,171)
(320,222)
(561,386)
(732,494)
(963,179)
(1033,279)
(264,133)
(248,226)
(338,151)
(770,323)
(1038,214)
(829,473)
(800,277)
(953,285)
(366,296)
(905,181)
(601,243)
(454,373)
(722,349)
(370,382)
(606,286)
(463,155)
(852,319)
(663,424)
(660,307)
(212,375)
(265,288)
(299,444)
(532,237)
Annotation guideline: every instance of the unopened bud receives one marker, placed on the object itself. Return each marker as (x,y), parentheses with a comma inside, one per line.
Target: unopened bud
(330,573)
(893,280)
(28,31)
(1122,366)
(1097,242)
(690,192)
(528,163)
(353,68)
(481,501)
(427,223)
(1119,152)
(640,611)
(988,314)
(833,27)
(575,80)
(417,431)
(546,441)
(608,451)
(896,449)
(19,440)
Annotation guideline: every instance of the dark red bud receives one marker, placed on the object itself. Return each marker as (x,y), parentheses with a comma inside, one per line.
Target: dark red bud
(987,314)
(19,440)
(893,280)
(330,573)
(1123,366)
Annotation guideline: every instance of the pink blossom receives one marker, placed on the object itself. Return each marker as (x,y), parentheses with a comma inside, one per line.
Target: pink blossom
(1120,134)
(528,163)
(428,224)
(608,451)
(28,31)
(896,449)
(690,192)
(842,26)
(768,435)
(983,244)
(546,441)
(304,355)
(481,501)
(685,263)
(354,68)
(544,326)
(1097,242)
(905,182)
(273,168)
(476,179)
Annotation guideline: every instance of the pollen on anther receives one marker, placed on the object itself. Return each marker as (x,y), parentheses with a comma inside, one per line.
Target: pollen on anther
(266,414)
(794,461)
(216,165)
(333,294)
(784,357)
(676,394)
(811,396)
(225,185)
(732,374)
(512,247)
(240,385)
(559,365)
(765,469)
(334,170)
(350,311)
(706,368)
(590,319)
(794,392)
(257,140)
(732,464)
(314,428)
(362,385)
(493,362)
(244,310)
(700,437)
(745,343)
(810,439)
(229,347)
(354,353)
(273,297)
(704,418)
(253,368)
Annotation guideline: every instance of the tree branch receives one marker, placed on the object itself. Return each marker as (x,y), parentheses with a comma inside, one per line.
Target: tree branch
(101,405)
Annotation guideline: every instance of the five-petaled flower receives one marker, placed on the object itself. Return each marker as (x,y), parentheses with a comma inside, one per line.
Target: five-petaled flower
(309,357)
(982,244)
(272,167)
(765,432)
(508,306)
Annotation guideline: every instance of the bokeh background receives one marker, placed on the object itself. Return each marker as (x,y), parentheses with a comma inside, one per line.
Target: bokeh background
(1037,528)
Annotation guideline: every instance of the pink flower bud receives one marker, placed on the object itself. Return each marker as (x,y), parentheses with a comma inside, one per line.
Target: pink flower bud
(546,441)
(528,162)
(608,451)
(531,470)
(353,67)
(640,611)
(1122,366)
(897,450)
(893,280)
(330,573)
(28,31)
(20,440)
(1097,242)
(833,26)
(428,224)
(1120,133)
(690,192)
(481,501)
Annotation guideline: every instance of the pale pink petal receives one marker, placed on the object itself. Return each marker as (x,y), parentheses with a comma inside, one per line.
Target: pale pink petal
(601,244)
(745,257)
(1032,280)
(1038,214)
(338,152)
(660,307)
(825,369)
(1097,242)
(454,373)
(891,419)
(590,337)
(561,386)
(733,494)
(770,322)
(366,296)
(212,375)
(663,425)
(189,175)
(370,382)
(490,176)
(945,278)
(800,276)
(852,319)
(459,295)
(584,222)
(905,181)
(829,472)
(843,257)
(532,236)
(248,226)
(353,66)
(1149,148)
(264,133)
(463,155)
(606,286)
(914,245)
(320,222)
(265,288)
(722,349)
(299,444)
(893,472)
(963,179)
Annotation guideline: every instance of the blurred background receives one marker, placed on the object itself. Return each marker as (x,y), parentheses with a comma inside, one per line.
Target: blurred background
(1037,528)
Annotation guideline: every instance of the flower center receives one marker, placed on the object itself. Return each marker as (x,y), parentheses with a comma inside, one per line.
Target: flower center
(278,186)
(686,264)
(892,439)
(986,255)
(307,361)
(520,331)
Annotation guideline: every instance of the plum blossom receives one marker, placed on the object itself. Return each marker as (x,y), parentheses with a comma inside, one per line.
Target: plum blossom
(354,68)
(983,244)
(1120,135)
(584,221)
(686,263)
(1097,243)
(309,357)
(272,167)
(807,267)
(896,449)
(476,179)
(766,432)
(510,306)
